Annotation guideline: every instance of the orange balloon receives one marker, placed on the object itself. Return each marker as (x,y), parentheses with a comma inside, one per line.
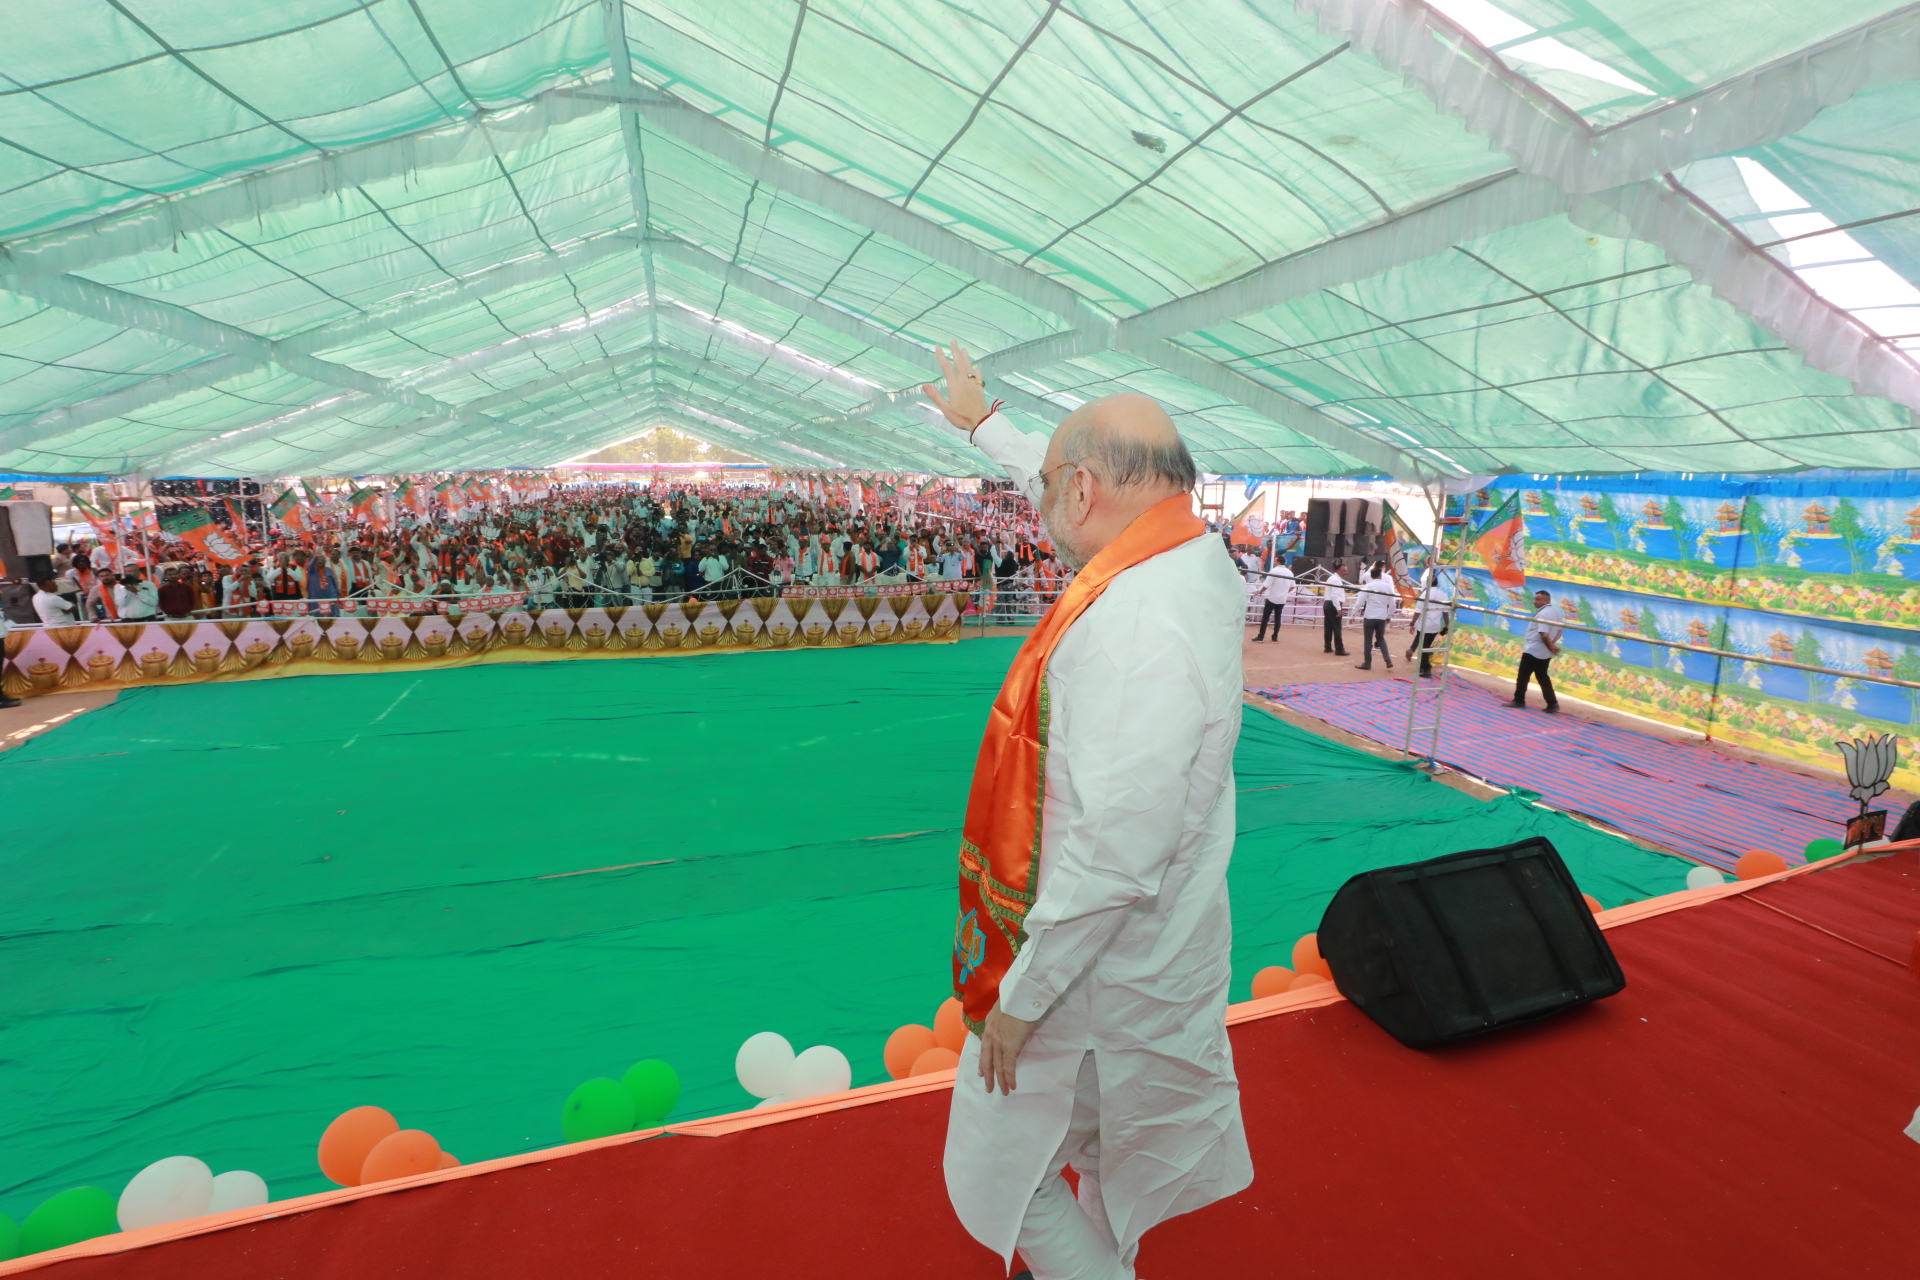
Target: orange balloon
(1593,903)
(401,1155)
(1306,953)
(448,1160)
(1760,862)
(1271,981)
(934,1059)
(1305,980)
(949,1028)
(345,1144)
(904,1047)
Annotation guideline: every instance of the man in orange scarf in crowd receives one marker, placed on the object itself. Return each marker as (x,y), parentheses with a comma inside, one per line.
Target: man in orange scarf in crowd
(1091,944)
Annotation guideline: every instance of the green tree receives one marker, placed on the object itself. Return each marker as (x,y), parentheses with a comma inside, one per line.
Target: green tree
(1907,667)
(1684,534)
(1846,523)
(1649,625)
(1551,507)
(1611,514)
(1587,614)
(1806,650)
(1753,523)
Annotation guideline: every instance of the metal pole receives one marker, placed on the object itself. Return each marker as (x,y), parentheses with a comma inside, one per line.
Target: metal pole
(146,551)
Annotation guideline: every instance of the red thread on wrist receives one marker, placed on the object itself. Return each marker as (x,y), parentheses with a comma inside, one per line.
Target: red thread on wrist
(996,407)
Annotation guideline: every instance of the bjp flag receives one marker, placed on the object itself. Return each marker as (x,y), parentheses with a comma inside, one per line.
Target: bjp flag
(1501,544)
(287,510)
(1240,532)
(196,528)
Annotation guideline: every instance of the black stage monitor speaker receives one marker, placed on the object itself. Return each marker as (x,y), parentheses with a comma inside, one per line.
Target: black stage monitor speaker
(1458,945)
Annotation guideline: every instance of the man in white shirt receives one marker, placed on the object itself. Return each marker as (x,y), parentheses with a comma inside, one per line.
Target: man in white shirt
(1436,612)
(54,609)
(1332,600)
(1274,594)
(1542,646)
(713,571)
(1377,599)
(1091,948)
(135,599)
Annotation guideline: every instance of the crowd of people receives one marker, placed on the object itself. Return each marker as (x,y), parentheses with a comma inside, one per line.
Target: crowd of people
(577,546)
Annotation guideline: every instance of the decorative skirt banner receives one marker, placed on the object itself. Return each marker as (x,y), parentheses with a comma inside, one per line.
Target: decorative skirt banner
(1796,714)
(883,589)
(1821,546)
(113,654)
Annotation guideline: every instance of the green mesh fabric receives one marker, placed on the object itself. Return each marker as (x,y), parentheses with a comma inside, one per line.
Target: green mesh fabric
(296,904)
(365,236)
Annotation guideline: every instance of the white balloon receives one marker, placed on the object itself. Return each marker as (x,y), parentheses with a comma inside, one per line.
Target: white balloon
(166,1191)
(763,1064)
(1704,878)
(821,1069)
(238,1189)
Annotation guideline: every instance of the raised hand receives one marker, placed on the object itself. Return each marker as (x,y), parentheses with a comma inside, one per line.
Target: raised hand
(965,403)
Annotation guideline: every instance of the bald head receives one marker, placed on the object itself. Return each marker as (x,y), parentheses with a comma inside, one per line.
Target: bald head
(1125,456)
(1128,441)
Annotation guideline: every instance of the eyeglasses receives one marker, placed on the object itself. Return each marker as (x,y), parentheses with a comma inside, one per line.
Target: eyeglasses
(1046,475)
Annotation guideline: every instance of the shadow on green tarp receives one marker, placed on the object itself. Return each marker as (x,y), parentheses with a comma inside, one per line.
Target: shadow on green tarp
(247,907)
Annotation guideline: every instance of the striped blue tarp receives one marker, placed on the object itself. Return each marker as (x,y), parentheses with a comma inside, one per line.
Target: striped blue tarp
(1686,798)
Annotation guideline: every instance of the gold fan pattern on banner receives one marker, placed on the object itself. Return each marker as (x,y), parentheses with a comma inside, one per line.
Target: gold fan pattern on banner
(120,654)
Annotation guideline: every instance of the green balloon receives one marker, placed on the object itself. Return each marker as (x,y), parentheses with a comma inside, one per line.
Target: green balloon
(68,1218)
(9,1238)
(655,1088)
(599,1108)
(1824,849)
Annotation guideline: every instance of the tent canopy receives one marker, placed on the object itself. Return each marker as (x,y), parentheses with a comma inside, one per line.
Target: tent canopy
(1335,237)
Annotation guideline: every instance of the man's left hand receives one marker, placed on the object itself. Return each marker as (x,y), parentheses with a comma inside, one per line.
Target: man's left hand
(1000,1044)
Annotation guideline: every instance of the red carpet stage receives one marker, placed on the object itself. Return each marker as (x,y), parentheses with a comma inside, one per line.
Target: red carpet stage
(1737,1112)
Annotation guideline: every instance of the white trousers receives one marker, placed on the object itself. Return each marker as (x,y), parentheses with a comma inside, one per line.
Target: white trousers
(1062,1238)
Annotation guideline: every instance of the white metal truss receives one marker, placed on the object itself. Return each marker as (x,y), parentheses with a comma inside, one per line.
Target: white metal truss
(1622,170)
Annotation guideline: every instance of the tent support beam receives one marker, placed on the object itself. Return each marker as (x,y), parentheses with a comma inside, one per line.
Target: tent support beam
(1466,81)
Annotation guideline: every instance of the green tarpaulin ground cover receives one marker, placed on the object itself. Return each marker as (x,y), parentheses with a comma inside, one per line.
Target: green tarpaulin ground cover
(251,906)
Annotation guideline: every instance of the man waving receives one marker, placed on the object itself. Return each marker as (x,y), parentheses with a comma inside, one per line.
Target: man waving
(1091,942)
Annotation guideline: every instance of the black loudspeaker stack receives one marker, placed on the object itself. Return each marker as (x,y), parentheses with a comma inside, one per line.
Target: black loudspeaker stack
(1316,528)
(1459,945)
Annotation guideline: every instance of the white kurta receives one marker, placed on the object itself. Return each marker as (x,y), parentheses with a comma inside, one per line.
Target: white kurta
(1127,943)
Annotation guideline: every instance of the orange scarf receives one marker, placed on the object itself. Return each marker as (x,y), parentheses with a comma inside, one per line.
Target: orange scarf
(1000,844)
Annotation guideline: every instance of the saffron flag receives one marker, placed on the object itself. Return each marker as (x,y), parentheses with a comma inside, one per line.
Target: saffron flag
(292,516)
(1501,544)
(94,515)
(104,533)
(1240,532)
(196,528)
(451,494)
(365,505)
(7,494)
(237,514)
